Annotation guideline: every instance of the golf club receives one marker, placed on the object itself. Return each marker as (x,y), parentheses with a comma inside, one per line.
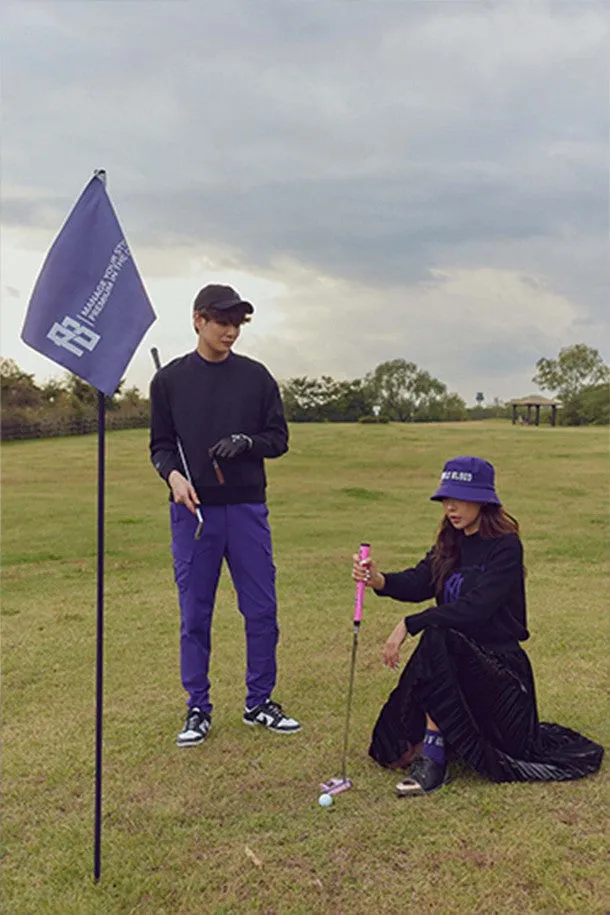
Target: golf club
(337,785)
(155,357)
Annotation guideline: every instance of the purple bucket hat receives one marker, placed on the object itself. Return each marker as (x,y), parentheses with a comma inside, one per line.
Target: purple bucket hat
(469,479)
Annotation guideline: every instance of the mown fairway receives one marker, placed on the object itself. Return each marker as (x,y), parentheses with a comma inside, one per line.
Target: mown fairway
(177,823)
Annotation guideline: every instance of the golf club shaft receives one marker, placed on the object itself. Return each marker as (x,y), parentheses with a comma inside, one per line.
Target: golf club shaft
(219,474)
(157,361)
(349,702)
(363,553)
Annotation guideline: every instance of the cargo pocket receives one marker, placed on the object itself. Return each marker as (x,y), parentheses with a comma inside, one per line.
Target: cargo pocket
(183,525)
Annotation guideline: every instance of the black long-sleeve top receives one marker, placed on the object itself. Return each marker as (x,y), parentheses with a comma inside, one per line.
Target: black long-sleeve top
(202,402)
(484,596)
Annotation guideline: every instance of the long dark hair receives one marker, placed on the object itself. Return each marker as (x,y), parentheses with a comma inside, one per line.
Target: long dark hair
(494,523)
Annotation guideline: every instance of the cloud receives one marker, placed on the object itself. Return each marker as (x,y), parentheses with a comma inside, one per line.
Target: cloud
(468,327)
(403,167)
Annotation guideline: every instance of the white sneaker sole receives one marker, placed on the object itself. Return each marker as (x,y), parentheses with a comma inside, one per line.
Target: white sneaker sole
(190,743)
(404,789)
(259,724)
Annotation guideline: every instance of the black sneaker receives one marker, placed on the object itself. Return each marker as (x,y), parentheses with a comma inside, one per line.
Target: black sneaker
(270,715)
(425,776)
(196,728)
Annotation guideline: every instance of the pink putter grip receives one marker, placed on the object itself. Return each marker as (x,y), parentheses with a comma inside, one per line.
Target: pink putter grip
(363,553)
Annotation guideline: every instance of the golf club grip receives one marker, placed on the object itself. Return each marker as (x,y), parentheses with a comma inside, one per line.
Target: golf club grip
(155,357)
(363,553)
(219,474)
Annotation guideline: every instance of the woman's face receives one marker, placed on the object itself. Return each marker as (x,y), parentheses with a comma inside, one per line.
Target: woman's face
(464,516)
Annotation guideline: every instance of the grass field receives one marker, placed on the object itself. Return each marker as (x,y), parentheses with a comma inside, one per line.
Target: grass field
(234,826)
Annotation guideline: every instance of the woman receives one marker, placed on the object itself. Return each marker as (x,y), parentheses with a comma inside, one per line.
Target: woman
(468,685)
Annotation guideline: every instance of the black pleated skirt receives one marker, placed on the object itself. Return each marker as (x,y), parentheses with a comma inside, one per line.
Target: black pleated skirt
(484,703)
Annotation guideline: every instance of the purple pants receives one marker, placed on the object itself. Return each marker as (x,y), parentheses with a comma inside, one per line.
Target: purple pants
(240,534)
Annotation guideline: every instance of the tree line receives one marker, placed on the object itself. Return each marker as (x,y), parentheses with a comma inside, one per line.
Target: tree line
(395,391)
(61,407)
(579,378)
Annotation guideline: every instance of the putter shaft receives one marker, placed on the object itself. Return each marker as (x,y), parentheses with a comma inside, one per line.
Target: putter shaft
(349,701)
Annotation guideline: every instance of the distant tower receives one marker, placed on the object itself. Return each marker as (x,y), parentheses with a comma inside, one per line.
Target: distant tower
(479,397)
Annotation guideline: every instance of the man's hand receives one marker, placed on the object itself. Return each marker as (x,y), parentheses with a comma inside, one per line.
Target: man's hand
(182,491)
(391,650)
(231,446)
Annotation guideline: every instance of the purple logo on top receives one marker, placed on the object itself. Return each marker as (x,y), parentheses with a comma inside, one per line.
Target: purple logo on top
(453,587)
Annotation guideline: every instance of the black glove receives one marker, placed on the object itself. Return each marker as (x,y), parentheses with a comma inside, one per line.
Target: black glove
(231,446)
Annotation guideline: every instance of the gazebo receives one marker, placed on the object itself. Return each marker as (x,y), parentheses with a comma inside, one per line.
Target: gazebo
(536,401)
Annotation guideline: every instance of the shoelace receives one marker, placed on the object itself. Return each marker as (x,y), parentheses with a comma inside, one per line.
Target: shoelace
(275,708)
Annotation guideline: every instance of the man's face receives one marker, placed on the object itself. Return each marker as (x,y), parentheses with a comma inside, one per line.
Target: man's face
(215,334)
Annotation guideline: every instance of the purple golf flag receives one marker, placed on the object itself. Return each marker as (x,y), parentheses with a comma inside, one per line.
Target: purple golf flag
(89,309)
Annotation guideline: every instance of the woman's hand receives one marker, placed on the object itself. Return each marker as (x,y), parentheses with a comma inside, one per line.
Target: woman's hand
(391,649)
(365,570)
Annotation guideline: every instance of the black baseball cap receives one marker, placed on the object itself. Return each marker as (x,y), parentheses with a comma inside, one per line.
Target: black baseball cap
(220,298)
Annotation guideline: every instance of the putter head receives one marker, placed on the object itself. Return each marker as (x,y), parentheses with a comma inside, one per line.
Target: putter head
(336,786)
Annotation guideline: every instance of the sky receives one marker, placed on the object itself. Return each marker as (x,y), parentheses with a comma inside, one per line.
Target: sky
(383,179)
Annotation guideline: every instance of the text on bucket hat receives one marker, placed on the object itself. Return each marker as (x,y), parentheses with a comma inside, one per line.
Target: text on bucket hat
(469,479)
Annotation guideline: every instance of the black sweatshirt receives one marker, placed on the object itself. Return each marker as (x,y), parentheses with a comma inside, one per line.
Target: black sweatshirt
(484,597)
(202,402)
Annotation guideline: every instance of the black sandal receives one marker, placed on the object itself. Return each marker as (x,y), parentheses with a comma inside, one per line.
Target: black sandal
(426,776)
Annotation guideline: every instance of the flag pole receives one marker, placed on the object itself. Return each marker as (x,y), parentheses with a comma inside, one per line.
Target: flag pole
(99,669)
(88,312)
(99,672)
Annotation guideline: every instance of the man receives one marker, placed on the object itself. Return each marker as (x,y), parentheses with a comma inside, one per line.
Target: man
(227,412)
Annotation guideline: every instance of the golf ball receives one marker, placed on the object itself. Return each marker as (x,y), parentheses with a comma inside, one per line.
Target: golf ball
(325,800)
